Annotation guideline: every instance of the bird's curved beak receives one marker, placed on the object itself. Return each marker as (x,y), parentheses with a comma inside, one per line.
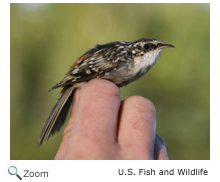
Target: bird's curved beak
(162,46)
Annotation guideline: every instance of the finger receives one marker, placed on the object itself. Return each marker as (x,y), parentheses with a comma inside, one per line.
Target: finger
(137,128)
(96,117)
(67,129)
(160,152)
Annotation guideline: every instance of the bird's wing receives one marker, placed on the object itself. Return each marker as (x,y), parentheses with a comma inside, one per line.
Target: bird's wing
(96,61)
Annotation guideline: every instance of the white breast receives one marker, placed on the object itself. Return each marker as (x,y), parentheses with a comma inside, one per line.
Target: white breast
(148,59)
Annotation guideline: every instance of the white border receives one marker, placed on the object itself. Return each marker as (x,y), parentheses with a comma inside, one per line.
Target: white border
(107,170)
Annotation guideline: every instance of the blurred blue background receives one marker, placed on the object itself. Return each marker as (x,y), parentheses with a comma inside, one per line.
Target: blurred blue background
(47,38)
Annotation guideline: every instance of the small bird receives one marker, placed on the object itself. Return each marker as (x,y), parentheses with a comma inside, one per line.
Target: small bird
(119,62)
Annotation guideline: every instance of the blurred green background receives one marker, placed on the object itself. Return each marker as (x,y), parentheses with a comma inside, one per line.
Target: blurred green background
(47,38)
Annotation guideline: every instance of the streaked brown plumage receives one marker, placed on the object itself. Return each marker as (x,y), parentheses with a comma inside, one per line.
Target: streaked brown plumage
(119,62)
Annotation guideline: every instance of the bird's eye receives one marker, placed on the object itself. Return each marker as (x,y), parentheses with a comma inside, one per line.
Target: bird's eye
(146,46)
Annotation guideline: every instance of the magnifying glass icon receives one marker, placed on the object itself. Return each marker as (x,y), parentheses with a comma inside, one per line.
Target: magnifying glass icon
(12,170)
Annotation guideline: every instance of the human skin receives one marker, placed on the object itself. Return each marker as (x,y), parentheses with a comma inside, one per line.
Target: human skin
(101,126)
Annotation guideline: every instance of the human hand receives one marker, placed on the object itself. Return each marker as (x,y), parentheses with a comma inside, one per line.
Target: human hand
(103,127)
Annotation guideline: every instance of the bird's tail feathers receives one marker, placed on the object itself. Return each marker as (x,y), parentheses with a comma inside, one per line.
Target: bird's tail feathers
(57,116)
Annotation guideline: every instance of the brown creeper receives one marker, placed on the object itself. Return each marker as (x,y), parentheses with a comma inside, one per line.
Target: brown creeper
(119,62)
